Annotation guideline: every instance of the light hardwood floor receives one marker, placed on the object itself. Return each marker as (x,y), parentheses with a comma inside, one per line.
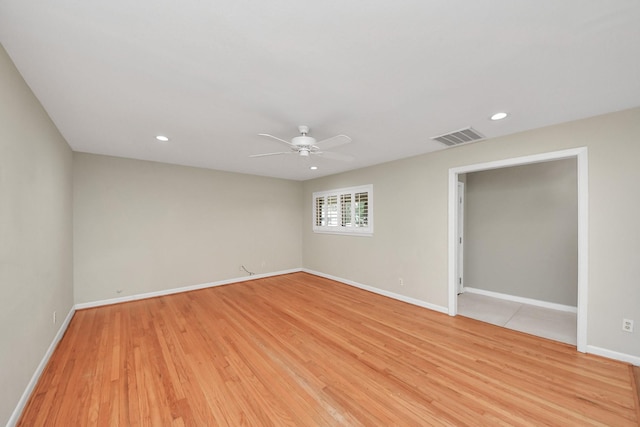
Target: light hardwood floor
(301,350)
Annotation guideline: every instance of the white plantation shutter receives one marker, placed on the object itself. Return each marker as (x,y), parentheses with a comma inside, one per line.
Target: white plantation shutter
(344,211)
(320,213)
(332,211)
(362,209)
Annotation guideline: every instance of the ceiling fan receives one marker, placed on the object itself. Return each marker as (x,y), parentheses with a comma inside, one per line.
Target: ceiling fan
(305,145)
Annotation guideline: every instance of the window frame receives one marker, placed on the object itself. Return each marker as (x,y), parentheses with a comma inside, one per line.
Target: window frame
(338,216)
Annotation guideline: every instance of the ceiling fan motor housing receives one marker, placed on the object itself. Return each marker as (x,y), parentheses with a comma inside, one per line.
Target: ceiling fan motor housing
(303,141)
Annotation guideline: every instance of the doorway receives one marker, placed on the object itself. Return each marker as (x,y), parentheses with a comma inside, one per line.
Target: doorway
(580,154)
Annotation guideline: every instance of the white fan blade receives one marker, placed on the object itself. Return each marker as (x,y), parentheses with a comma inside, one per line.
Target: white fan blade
(334,156)
(276,138)
(272,154)
(334,141)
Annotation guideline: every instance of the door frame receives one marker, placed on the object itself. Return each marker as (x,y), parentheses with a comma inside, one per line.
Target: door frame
(581,156)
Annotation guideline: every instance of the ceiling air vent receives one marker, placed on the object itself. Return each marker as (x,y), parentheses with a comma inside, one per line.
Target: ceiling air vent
(458,137)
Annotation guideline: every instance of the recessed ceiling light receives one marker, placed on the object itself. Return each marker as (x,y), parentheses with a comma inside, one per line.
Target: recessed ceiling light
(499,116)
(313,168)
(162,138)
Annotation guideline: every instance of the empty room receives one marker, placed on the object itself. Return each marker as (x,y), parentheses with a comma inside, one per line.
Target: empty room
(248,213)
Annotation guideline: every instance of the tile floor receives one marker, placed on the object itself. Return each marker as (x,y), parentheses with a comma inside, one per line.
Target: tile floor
(543,322)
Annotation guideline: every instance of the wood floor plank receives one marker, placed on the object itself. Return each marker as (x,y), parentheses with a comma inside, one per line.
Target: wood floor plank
(298,350)
(635,379)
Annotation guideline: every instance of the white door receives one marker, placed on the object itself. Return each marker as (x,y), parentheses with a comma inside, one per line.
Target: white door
(460,238)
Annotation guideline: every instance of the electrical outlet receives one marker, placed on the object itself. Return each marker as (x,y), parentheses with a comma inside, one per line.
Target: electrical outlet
(55,317)
(627,325)
(401,282)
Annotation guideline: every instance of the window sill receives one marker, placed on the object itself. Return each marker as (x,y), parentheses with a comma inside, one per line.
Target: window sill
(345,233)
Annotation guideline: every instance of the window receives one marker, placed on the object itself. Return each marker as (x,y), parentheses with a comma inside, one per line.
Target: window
(344,211)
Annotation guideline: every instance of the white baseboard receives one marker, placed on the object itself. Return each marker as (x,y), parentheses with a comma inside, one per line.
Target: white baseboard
(393,295)
(15,416)
(136,297)
(522,300)
(610,354)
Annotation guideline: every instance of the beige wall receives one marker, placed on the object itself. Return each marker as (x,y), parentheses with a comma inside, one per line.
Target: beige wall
(521,231)
(142,227)
(35,234)
(411,221)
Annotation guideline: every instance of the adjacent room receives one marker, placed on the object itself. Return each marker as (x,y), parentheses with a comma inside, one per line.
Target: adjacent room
(247,213)
(520,243)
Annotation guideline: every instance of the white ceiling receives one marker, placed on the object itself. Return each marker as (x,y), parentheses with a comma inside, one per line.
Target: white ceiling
(112,74)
